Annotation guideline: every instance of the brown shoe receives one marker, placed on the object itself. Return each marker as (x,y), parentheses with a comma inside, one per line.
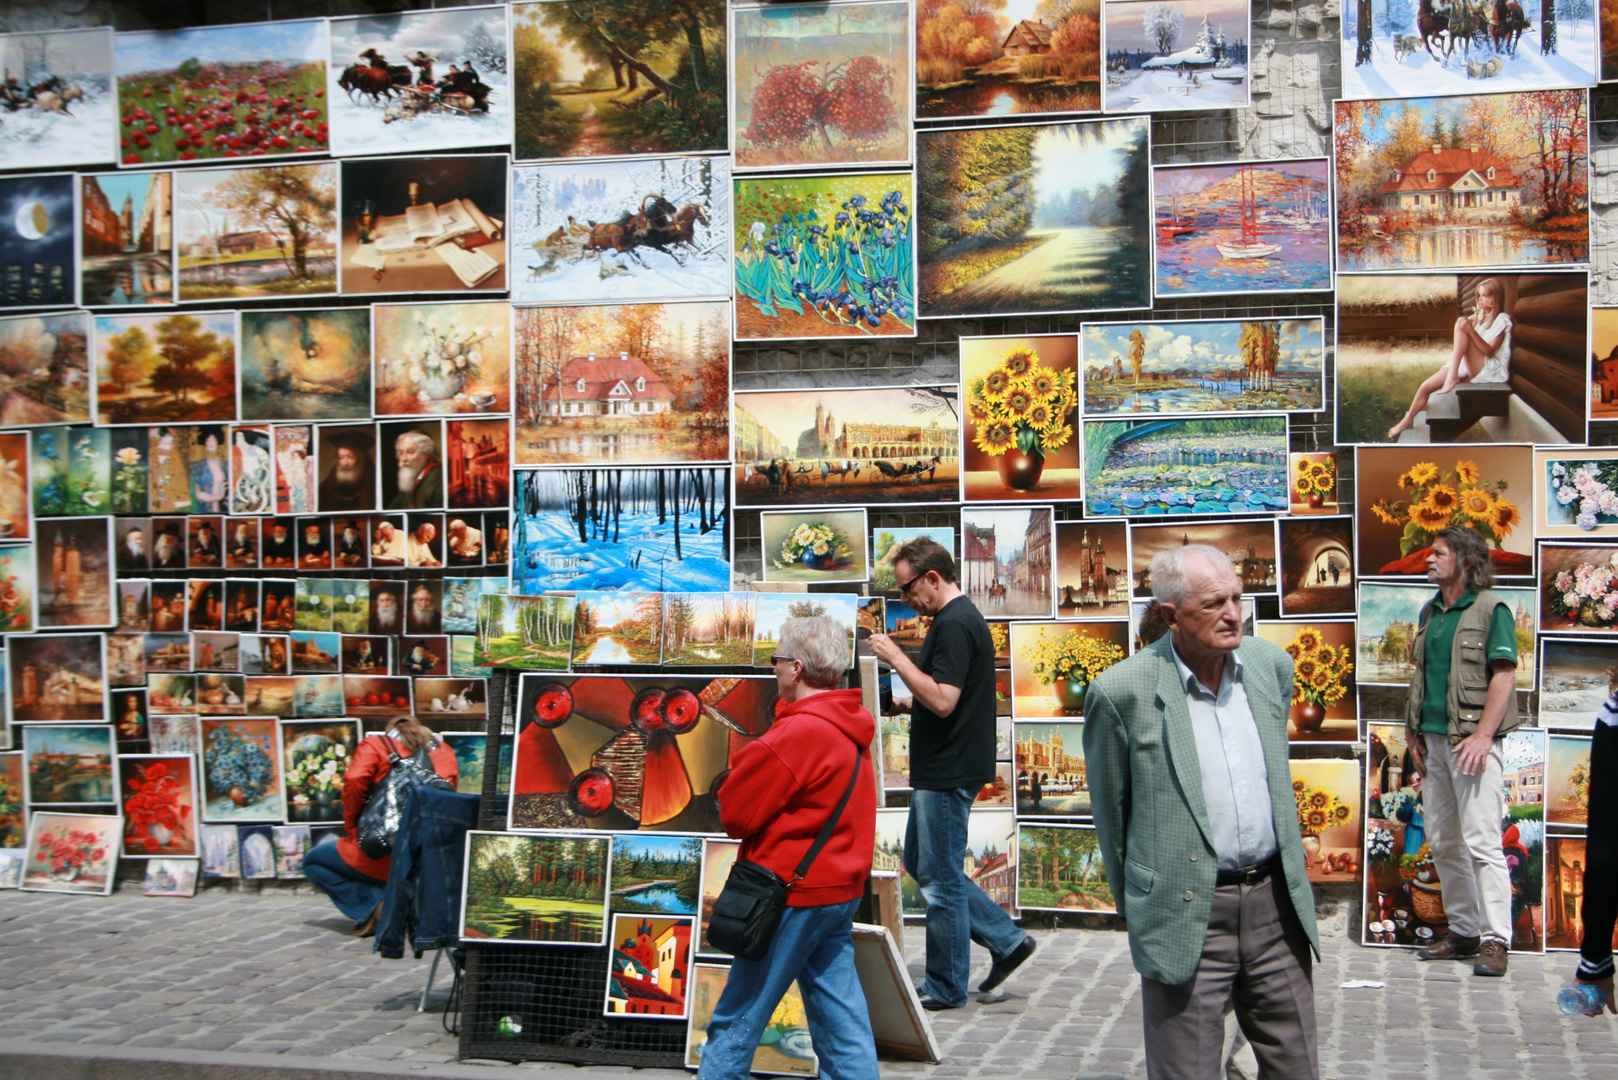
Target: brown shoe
(1491,959)
(1451,946)
(368,927)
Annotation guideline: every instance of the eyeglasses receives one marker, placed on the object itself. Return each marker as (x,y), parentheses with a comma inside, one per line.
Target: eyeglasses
(906,586)
(777,658)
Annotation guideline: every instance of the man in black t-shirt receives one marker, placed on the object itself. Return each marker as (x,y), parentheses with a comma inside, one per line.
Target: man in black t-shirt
(951,758)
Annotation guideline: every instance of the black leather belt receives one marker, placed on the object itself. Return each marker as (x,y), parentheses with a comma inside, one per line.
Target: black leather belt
(1248,875)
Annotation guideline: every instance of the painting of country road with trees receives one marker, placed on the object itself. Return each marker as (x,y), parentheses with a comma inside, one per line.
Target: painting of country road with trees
(255,233)
(1059,868)
(601,78)
(540,889)
(530,633)
(1007,57)
(1034,218)
(166,369)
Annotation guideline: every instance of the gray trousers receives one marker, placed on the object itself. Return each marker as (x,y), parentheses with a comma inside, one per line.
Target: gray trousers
(1256,956)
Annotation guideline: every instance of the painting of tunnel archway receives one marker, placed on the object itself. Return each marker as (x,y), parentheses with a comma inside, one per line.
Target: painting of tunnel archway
(1317,566)
(1235,465)
(538,889)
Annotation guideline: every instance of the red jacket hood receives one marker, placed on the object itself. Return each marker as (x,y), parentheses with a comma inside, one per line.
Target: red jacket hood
(843,709)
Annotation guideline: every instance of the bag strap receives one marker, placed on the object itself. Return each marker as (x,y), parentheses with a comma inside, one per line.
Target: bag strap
(831,823)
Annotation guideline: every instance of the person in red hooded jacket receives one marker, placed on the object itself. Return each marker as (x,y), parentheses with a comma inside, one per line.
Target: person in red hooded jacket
(782,789)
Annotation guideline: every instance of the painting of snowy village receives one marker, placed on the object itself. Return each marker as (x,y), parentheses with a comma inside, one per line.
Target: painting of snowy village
(1218,365)
(1243,227)
(657,229)
(1173,55)
(1231,465)
(1018,57)
(62,110)
(424,80)
(1399,48)
(1486,180)
(1034,218)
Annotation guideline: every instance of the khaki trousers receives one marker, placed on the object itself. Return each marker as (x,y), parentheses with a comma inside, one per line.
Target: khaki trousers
(1462,815)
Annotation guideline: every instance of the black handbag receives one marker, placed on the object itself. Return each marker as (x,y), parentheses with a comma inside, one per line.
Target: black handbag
(749,908)
(384,807)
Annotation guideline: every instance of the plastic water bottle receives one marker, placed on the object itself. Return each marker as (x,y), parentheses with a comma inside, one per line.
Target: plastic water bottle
(1580,998)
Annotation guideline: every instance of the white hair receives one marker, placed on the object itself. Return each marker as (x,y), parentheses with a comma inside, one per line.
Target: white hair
(1171,582)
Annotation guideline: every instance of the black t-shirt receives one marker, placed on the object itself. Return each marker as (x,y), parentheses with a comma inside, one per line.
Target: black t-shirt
(956,751)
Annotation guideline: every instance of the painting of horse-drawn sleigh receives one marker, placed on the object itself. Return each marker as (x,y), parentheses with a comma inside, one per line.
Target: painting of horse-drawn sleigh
(641,230)
(425,80)
(56,98)
(1406,48)
(864,446)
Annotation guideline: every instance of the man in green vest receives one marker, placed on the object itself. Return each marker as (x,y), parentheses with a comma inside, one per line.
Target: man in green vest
(1463,700)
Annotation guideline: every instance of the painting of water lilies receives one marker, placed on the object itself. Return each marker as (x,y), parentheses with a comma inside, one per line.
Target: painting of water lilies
(1210,366)
(1247,227)
(1226,465)
(825,256)
(1034,218)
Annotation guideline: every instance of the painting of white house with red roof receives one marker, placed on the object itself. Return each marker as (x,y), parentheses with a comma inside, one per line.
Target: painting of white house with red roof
(631,383)
(651,964)
(1487,180)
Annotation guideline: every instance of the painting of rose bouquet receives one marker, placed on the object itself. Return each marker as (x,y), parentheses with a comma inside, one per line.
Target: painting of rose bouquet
(1578,588)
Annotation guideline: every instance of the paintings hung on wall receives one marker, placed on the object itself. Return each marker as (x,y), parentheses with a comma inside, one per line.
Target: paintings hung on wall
(1211,366)
(1404,500)
(991,843)
(442,359)
(67,112)
(629,383)
(1393,332)
(1092,569)
(1226,465)
(1249,544)
(242,770)
(1567,781)
(424,224)
(315,755)
(1053,664)
(69,471)
(1573,680)
(171,877)
(617,627)
(651,963)
(1059,868)
(1566,860)
(1327,794)
(535,889)
(71,853)
(126,241)
(306,364)
(718,856)
(652,229)
(656,874)
(1007,60)
(454,91)
(75,589)
(618,79)
(69,764)
(1314,484)
(268,232)
(704,629)
(1576,584)
(166,369)
(1317,566)
(1176,55)
(1481,180)
(1325,704)
(1244,227)
(208,75)
(771,610)
(18,589)
(883,444)
(1573,489)
(528,633)
(814,546)
(825,256)
(45,367)
(55,678)
(1021,413)
(820,85)
(1389,615)
(656,530)
(1050,773)
(885,545)
(13,817)
(1005,564)
(1027,219)
(159,797)
(784,1047)
(37,248)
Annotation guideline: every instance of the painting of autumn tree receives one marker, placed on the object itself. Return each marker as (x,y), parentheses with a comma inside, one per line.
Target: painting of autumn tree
(1483,180)
(159,369)
(268,231)
(1007,57)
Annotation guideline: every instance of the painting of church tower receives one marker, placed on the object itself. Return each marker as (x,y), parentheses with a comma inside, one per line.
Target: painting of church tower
(651,963)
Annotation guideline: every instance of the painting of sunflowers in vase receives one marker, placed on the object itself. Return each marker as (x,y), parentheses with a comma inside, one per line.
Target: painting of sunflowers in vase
(1021,414)
(1327,794)
(1324,702)
(1314,484)
(1405,501)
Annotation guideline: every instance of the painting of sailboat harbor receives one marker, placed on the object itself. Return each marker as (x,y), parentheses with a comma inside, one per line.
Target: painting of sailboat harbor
(1243,228)
(1216,365)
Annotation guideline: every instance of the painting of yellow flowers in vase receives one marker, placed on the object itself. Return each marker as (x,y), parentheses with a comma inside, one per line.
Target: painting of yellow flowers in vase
(1053,664)
(1324,702)
(1021,413)
(1405,500)
(1327,794)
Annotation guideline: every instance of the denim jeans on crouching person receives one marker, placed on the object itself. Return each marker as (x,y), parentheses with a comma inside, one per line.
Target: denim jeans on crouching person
(423,898)
(355,894)
(812,945)
(958,912)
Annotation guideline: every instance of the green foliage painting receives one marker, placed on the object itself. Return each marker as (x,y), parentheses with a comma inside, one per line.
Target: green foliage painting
(536,889)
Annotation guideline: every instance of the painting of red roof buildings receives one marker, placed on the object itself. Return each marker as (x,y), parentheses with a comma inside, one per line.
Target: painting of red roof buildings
(1488,180)
(651,963)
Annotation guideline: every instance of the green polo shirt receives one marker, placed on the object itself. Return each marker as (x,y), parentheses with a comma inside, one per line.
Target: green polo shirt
(1501,645)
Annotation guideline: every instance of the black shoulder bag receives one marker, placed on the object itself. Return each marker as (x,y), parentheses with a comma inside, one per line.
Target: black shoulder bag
(384,807)
(749,907)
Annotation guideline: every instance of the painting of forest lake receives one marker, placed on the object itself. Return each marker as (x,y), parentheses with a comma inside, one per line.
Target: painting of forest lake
(1019,57)
(1240,228)
(308,364)
(1034,218)
(1220,365)
(656,874)
(1235,465)
(1463,182)
(536,889)
(653,530)
(71,115)
(1573,680)
(1173,55)
(257,233)
(45,369)
(657,229)
(1406,48)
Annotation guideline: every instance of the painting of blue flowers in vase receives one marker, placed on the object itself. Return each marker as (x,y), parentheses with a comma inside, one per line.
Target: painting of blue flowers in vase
(1235,465)
(241,771)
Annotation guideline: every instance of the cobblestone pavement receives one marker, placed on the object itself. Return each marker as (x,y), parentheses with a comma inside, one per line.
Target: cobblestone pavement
(238,984)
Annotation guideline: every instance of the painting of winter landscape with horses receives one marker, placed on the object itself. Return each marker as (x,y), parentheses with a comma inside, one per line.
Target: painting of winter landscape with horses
(657,229)
(1403,48)
(425,80)
(1174,55)
(61,110)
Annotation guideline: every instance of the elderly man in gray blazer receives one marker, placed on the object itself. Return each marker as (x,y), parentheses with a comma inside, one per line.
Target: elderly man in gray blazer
(1186,752)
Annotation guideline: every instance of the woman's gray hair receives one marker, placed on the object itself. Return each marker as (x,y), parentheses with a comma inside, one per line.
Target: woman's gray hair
(1170,582)
(821,644)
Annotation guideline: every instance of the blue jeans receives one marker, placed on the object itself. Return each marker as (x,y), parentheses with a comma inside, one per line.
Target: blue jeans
(958,912)
(812,945)
(424,879)
(355,894)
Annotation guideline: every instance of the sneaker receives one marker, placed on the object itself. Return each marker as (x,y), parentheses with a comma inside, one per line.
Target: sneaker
(1001,969)
(1451,946)
(1491,958)
(932,1004)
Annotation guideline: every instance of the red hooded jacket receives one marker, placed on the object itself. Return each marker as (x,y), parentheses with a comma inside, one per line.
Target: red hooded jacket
(784,785)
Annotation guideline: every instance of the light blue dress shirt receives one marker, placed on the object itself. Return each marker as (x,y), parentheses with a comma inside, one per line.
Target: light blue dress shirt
(1235,780)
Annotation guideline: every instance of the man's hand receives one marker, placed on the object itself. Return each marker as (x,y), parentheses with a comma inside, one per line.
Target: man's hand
(1417,744)
(884,649)
(1605,986)
(1472,752)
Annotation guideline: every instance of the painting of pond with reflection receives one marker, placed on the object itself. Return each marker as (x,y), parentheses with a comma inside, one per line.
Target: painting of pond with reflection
(1234,465)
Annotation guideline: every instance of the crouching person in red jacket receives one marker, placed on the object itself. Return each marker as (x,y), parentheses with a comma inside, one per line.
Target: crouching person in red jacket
(782,789)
